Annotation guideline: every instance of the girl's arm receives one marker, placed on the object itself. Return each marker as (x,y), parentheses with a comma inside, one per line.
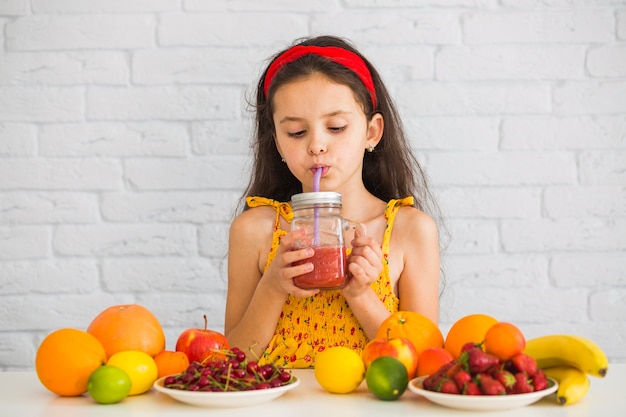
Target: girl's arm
(255,300)
(415,248)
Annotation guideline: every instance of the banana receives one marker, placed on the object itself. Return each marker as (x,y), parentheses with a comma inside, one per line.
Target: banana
(570,350)
(573,383)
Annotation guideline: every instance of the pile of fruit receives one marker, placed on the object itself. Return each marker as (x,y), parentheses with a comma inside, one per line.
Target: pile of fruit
(479,356)
(234,372)
(121,353)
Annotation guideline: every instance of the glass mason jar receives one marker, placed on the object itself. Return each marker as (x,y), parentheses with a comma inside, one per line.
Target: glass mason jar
(320,214)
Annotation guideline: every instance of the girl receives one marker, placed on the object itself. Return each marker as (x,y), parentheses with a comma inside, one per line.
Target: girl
(321,104)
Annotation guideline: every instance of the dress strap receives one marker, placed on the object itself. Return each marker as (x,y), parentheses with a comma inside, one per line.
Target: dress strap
(282,210)
(390,213)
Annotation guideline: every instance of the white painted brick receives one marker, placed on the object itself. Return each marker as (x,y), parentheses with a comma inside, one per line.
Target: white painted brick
(63,68)
(125,240)
(209,65)
(608,305)
(23,207)
(497,271)
(161,275)
(17,139)
(455,99)
(472,236)
(63,32)
(255,5)
(13,7)
(390,4)
(213,240)
(502,168)
(49,277)
(60,174)
(232,29)
(46,104)
(491,202)
(585,201)
(24,242)
(621,24)
(48,313)
(554,133)
(17,351)
(583,98)
(164,103)
(179,311)
(510,62)
(572,235)
(98,6)
(589,270)
(523,305)
(221,137)
(409,27)
(400,62)
(541,26)
(113,139)
(607,61)
(169,206)
(220,173)
(603,167)
(453,133)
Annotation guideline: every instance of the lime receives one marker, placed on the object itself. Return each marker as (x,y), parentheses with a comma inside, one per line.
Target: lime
(108,384)
(387,378)
(339,369)
(139,366)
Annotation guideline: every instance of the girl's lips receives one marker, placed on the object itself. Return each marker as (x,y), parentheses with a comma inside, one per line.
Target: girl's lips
(324,170)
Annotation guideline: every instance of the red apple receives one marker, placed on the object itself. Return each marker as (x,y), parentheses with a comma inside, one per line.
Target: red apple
(400,348)
(202,344)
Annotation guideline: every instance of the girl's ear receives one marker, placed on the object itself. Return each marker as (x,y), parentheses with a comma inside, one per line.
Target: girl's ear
(375,128)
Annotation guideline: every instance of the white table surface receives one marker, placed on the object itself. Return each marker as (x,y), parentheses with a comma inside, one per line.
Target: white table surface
(21,394)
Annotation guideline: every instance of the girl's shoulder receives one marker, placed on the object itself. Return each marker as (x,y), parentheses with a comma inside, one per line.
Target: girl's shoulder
(254,221)
(413,222)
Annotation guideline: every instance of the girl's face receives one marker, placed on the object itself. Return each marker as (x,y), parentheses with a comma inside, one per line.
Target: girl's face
(319,124)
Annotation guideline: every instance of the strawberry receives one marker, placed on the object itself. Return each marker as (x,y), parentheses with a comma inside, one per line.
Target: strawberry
(524,363)
(461,378)
(504,377)
(433,381)
(539,380)
(479,361)
(522,384)
(490,386)
(449,387)
(471,389)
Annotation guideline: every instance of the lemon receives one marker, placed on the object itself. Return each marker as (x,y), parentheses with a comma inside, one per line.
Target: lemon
(387,378)
(139,366)
(339,369)
(108,384)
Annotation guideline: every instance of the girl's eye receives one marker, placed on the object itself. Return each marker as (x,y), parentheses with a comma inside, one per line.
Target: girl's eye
(337,129)
(297,134)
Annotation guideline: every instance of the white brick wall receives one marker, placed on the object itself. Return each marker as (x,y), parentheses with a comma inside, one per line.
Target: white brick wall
(124,145)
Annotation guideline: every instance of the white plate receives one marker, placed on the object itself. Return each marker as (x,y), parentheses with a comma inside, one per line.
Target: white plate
(481,402)
(225,399)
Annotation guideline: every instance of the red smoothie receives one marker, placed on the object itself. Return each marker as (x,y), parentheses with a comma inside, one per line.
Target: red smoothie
(330,267)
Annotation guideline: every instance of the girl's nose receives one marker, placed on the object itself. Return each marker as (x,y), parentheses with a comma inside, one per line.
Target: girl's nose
(316,147)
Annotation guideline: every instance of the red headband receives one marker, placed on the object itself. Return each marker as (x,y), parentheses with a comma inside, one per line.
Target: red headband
(341,56)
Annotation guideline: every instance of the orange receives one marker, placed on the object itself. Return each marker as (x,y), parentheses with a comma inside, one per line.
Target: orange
(128,327)
(419,329)
(169,362)
(504,340)
(470,328)
(431,360)
(66,358)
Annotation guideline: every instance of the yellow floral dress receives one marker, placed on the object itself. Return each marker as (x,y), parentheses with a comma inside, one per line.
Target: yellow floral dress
(309,325)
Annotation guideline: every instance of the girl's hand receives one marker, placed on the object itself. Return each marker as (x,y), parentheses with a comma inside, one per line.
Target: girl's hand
(281,272)
(364,263)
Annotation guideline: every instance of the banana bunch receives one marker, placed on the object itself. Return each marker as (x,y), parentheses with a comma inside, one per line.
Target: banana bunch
(569,360)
